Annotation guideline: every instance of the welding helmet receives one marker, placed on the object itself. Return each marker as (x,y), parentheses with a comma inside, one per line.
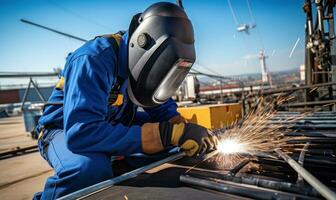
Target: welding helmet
(160,53)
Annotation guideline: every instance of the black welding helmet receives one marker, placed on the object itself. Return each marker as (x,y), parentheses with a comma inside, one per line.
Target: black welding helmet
(160,54)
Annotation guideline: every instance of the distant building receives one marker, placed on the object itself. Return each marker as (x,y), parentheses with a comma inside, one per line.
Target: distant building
(264,72)
(10,96)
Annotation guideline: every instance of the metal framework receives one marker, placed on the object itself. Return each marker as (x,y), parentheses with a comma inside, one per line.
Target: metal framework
(31,82)
(307,173)
(320,46)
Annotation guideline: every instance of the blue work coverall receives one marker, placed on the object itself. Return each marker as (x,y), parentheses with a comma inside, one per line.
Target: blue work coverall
(82,134)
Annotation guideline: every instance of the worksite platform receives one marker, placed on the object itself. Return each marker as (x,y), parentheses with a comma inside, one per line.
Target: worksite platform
(22,170)
(259,176)
(22,173)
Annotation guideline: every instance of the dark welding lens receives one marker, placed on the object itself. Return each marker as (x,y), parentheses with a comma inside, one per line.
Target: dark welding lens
(172,81)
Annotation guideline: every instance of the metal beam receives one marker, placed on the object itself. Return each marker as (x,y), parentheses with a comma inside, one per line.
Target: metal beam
(309,103)
(18,151)
(318,185)
(297,88)
(257,181)
(53,30)
(25,95)
(209,75)
(27,74)
(240,189)
(305,118)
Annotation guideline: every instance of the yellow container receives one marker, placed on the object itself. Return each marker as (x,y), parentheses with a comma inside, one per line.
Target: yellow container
(212,116)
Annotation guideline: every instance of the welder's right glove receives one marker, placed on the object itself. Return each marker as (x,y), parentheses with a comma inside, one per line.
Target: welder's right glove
(192,138)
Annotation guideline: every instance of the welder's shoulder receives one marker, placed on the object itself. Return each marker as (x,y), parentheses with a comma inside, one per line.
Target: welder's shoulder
(99,48)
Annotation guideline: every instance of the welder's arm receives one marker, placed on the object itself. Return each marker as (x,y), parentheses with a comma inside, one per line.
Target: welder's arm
(88,82)
(142,117)
(164,112)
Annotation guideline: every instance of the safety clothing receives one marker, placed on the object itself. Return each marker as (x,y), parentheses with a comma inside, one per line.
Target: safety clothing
(93,121)
(177,119)
(161,53)
(193,138)
(150,135)
(72,171)
(76,171)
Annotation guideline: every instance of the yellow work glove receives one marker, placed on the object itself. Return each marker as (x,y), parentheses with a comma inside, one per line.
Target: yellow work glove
(192,138)
(151,137)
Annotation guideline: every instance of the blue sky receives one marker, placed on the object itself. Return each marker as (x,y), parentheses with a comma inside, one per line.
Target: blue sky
(218,45)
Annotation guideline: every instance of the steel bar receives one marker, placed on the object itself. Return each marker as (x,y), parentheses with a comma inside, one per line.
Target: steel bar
(38,92)
(53,30)
(321,152)
(319,113)
(238,167)
(303,121)
(273,91)
(27,74)
(240,189)
(25,94)
(301,162)
(309,103)
(261,182)
(108,183)
(318,185)
(310,134)
(315,140)
(304,126)
(309,60)
(318,160)
(307,116)
(321,118)
(210,75)
(314,126)
(315,113)
(18,151)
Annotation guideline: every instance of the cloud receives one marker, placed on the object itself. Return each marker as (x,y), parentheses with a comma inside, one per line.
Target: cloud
(250,56)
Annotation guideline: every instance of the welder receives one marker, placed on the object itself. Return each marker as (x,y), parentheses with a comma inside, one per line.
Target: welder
(94,113)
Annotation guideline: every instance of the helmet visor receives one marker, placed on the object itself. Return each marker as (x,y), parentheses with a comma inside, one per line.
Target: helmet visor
(172,81)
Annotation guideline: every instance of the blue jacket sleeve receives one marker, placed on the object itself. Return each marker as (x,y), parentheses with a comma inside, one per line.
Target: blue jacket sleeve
(163,112)
(88,81)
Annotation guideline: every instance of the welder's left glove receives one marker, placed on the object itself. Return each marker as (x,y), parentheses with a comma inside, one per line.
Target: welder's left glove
(192,138)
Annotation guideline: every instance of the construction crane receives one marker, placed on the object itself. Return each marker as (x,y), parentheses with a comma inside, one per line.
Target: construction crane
(243,27)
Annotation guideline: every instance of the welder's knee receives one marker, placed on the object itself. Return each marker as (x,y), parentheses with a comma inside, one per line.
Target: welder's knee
(89,169)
